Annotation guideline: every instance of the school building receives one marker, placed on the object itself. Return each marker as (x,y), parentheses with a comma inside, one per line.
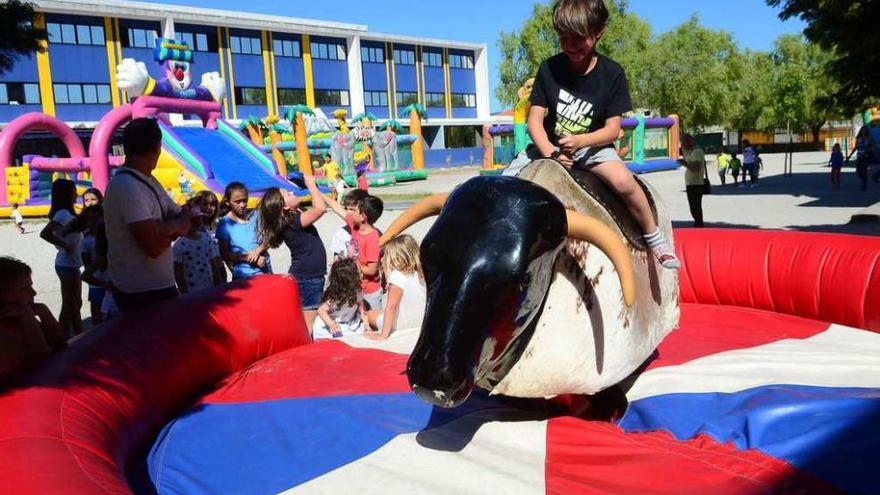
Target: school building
(268,62)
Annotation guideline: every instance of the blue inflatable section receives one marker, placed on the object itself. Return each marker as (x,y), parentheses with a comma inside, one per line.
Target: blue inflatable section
(656,165)
(830,432)
(270,446)
(230,161)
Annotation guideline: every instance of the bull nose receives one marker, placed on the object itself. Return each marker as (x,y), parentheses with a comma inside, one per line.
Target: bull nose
(444,398)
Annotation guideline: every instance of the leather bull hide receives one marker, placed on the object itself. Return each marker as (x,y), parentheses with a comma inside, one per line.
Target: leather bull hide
(538,285)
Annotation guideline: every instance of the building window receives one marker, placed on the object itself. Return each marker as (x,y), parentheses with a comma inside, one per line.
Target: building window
(75,34)
(467,100)
(245,45)
(291,96)
(197,42)
(461,61)
(19,94)
(406,98)
(375,99)
(250,96)
(328,51)
(404,57)
(286,48)
(140,38)
(432,59)
(372,55)
(75,94)
(435,100)
(460,137)
(330,97)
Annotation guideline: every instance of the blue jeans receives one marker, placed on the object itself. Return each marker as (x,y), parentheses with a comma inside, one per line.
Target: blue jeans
(310,292)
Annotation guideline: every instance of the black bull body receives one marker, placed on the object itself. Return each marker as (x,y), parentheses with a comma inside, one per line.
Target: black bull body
(489,261)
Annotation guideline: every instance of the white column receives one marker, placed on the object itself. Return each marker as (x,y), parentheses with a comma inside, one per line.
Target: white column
(355,76)
(482,80)
(168,28)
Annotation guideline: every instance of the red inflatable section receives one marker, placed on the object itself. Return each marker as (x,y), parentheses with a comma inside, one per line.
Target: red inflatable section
(73,427)
(826,277)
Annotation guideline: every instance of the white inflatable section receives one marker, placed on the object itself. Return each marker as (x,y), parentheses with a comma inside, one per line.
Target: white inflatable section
(505,455)
(838,357)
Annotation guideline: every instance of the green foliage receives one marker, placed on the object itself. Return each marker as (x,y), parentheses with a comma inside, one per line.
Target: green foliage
(847,29)
(18,36)
(696,72)
(625,40)
(689,71)
(802,89)
(291,111)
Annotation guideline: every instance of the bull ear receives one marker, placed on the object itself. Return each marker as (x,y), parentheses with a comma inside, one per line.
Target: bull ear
(584,228)
(425,208)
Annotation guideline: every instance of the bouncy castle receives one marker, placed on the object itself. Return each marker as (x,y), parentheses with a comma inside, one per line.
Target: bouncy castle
(194,158)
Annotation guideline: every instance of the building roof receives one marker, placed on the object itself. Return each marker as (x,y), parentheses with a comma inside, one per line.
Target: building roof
(230,18)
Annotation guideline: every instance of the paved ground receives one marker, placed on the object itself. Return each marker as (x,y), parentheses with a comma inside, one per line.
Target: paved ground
(803,201)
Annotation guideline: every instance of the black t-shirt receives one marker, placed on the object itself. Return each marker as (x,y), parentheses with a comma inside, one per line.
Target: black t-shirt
(308,258)
(578,104)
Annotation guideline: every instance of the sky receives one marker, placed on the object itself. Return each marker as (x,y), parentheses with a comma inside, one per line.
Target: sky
(753,24)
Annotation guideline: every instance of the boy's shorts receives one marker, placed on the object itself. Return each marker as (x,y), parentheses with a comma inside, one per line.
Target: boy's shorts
(591,157)
(374,300)
(96,294)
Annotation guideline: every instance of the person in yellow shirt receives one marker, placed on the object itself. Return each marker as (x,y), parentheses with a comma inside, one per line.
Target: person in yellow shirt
(695,176)
(723,161)
(331,169)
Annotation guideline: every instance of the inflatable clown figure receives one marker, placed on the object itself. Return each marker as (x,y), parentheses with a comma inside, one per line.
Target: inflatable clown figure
(177,59)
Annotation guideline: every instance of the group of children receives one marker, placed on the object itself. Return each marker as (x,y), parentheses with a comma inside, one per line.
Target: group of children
(352,300)
(750,166)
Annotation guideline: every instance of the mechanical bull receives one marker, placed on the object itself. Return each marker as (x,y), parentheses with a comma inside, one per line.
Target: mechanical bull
(538,285)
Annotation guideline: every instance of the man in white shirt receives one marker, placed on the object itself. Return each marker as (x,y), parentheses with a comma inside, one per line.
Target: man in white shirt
(142,221)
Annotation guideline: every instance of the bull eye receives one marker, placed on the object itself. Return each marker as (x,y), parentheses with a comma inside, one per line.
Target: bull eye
(524,282)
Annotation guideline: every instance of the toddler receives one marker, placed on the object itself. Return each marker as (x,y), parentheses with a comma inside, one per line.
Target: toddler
(342,309)
(405,302)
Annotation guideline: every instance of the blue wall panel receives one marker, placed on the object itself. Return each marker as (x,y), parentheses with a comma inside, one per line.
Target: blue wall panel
(289,72)
(146,56)
(406,78)
(434,80)
(463,81)
(245,111)
(248,70)
(381,112)
(436,112)
(9,112)
(79,63)
(23,70)
(81,113)
(463,113)
(330,74)
(375,78)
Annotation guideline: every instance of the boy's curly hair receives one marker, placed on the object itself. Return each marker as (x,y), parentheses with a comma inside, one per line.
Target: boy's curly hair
(582,17)
(11,269)
(344,285)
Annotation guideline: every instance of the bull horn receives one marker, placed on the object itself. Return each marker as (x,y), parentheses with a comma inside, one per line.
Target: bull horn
(425,208)
(585,228)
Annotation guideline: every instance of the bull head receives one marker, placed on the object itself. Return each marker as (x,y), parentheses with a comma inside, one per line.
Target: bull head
(488,261)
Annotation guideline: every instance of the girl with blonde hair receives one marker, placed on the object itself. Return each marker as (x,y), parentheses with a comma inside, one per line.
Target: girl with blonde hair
(405,301)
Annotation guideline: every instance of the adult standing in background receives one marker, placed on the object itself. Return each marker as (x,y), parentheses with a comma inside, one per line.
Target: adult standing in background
(141,222)
(695,176)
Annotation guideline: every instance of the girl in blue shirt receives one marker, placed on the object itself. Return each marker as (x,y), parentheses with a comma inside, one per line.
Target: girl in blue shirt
(237,235)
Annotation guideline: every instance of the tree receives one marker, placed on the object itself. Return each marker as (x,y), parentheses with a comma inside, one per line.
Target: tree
(849,31)
(18,36)
(625,40)
(753,73)
(691,71)
(802,90)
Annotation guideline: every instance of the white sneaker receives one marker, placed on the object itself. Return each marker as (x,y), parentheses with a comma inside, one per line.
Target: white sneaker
(666,258)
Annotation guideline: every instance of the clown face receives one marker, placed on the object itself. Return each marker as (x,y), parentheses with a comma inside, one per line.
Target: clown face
(178,74)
